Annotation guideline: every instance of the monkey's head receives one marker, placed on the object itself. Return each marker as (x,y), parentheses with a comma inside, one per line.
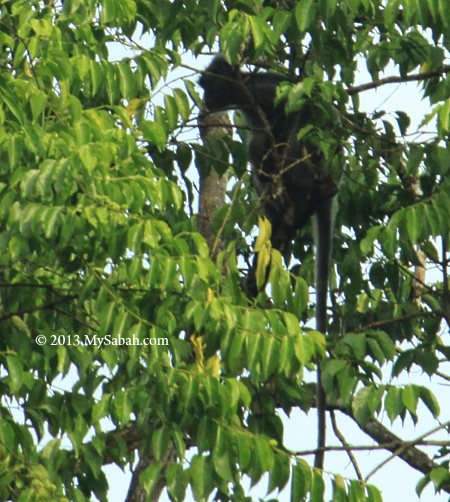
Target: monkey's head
(220,81)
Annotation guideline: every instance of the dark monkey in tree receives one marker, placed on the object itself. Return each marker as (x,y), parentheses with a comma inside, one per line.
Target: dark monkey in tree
(287,173)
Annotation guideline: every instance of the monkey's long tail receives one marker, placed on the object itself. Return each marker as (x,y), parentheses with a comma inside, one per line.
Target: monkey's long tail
(323,236)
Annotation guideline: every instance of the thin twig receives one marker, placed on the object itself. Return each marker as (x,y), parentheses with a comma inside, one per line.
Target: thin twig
(346,446)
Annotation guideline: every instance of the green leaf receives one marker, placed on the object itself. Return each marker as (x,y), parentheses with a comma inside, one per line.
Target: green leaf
(393,403)
(299,349)
(58,64)
(107,318)
(330,8)
(422,484)
(442,205)
(101,408)
(280,472)
(301,481)
(356,490)
(151,477)
(7,435)
(413,224)
(28,182)
(154,133)
(264,453)
(88,157)
(81,403)
(134,237)
(430,401)
(189,387)
(235,353)
(316,341)
(318,487)
(15,149)
(439,476)
(253,351)
(360,405)
(176,482)
(182,102)
(51,219)
(178,441)
(30,218)
(332,368)
(410,396)
(285,353)
(155,66)
(305,13)
(444,12)
(108,13)
(201,477)
(112,87)
(269,356)
(389,237)
(366,244)
(357,342)
(37,103)
(386,343)
(403,122)
(16,375)
(390,12)
(301,296)
(362,304)
(375,351)
(244,448)
(404,361)
(127,81)
(244,394)
(123,406)
(171,109)
(281,21)
(13,105)
(121,323)
(258,27)
(422,11)
(374,494)
(222,465)
(444,117)
(339,490)
(232,387)
(96,74)
(20,325)
(160,442)
(428,361)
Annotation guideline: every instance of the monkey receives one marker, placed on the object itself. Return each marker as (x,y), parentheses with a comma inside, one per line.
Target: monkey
(287,173)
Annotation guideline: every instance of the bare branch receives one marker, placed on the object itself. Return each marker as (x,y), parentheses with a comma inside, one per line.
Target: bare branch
(345,445)
(404,447)
(414,77)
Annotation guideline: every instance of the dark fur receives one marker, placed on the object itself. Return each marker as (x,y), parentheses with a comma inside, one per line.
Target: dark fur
(287,174)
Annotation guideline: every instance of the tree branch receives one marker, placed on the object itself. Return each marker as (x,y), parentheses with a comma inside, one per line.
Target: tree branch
(399,80)
(36,308)
(404,447)
(405,450)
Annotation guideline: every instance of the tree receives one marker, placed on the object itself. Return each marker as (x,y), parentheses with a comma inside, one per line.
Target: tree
(100,249)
